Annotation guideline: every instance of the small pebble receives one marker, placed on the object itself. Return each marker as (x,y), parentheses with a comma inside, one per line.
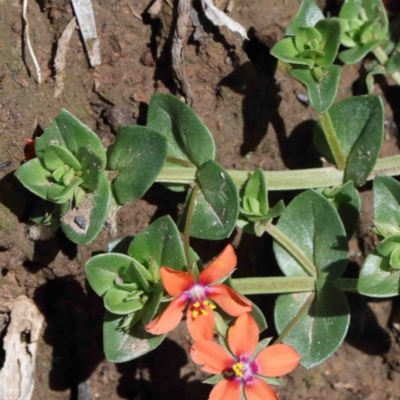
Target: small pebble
(81,221)
(147,59)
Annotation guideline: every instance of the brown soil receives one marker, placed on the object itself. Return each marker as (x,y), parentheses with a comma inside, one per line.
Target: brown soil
(257,121)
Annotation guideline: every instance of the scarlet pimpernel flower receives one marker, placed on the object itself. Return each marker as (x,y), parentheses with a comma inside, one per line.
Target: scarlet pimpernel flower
(243,371)
(198,297)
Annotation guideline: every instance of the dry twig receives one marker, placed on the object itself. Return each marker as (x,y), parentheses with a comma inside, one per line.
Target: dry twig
(28,42)
(177,48)
(60,59)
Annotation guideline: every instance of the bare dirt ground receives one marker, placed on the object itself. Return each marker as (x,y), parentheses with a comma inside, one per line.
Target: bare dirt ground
(257,121)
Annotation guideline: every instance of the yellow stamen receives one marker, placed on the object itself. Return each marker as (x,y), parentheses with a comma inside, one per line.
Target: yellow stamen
(204,312)
(212,307)
(196,305)
(205,303)
(237,369)
(195,314)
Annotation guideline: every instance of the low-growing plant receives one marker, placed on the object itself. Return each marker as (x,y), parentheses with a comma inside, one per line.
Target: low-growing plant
(149,283)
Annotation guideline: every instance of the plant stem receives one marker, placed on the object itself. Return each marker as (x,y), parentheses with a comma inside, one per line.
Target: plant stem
(286,284)
(188,224)
(333,140)
(286,180)
(296,319)
(382,57)
(289,246)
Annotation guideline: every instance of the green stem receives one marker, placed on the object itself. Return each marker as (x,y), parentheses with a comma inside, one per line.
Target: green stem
(333,140)
(289,246)
(296,319)
(286,180)
(382,57)
(286,284)
(188,224)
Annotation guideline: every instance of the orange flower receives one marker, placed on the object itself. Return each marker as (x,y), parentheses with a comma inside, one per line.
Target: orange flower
(244,369)
(197,295)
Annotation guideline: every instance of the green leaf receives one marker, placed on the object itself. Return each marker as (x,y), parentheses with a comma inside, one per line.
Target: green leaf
(118,301)
(358,122)
(217,204)
(104,269)
(213,380)
(320,330)
(321,92)
(314,226)
(161,243)
(377,278)
(82,224)
(120,345)
(356,54)
(56,156)
(257,194)
(151,307)
(270,381)
(34,177)
(386,192)
(66,130)
(138,154)
(308,15)
(346,200)
(136,272)
(286,50)
(187,137)
(258,316)
(330,32)
(92,168)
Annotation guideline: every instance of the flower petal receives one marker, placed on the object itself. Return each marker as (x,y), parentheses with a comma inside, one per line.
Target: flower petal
(277,360)
(228,299)
(221,267)
(176,282)
(226,389)
(169,319)
(201,327)
(212,356)
(243,336)
(259,390)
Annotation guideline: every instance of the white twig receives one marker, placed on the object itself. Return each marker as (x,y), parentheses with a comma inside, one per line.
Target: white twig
(60,59)
(28,42)
(84,14)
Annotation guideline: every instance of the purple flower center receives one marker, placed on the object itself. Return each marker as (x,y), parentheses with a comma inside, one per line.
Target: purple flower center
(243,370)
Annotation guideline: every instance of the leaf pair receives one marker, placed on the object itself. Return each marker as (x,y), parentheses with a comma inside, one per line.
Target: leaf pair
(359,126)
(315,230)
(215,209)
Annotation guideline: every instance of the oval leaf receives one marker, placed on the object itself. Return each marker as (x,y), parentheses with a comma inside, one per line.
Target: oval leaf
(121,345)
(159,243)
(217,204)
(322,92)
(308,15)
(82,224)
(187,137)
(314,226)
(138,154)
(386,192)
(377,279)
(117,301)
(102,270)
(321,329)
(358,122)
(34,177)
